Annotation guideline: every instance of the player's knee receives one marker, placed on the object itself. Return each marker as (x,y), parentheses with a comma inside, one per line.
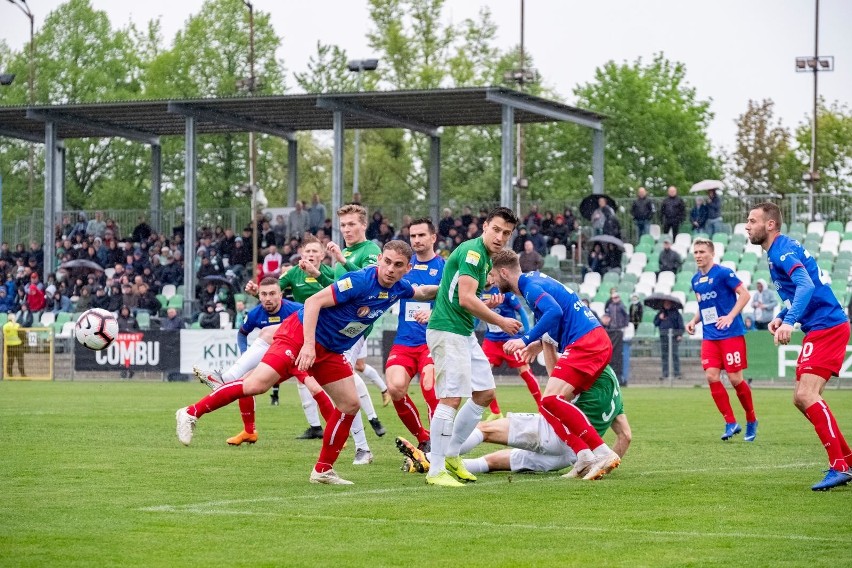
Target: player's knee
(360,365)
(349,406)
(396,387)
(483,398)
(802,400)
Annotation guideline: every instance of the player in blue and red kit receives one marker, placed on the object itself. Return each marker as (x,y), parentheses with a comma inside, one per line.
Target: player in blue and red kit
(721,299)
(410,355)
(586,351)
(495,338)
(812,304)
(313,340)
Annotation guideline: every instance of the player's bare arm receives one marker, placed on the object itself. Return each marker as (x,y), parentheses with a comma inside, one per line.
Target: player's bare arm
(743,297)
(469,301)
(425,293)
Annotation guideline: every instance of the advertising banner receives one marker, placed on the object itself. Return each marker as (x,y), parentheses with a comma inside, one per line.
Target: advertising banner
(138,351)
(208,349)
(769,361)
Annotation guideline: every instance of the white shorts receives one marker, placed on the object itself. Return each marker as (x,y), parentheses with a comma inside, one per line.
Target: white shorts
(529,431)
(461,368)
(524,460)
(357,351)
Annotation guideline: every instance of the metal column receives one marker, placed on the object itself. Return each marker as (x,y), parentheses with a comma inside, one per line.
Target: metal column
(59,180)
(337,177)
(598,161)
(156,182)
(292,172)
(189,218)
(435,179)
(507,156)
(49,195)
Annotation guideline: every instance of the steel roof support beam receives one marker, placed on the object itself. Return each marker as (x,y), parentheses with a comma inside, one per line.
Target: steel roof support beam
(389,119)
(104,128)
(49,246)
(533,107)
(598,161)
(21,135)
(189,213)
(292,172)
(337,177)
(507,156)
(156,184)
(435,179)
(205,114)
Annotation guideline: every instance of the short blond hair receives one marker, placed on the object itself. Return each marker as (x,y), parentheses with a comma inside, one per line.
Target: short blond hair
(353,208)
(506,258)
(704,242)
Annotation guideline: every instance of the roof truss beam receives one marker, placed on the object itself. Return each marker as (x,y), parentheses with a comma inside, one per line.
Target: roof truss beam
(205,114)
(519,103)
(21,135)
(392,120)
(104,128)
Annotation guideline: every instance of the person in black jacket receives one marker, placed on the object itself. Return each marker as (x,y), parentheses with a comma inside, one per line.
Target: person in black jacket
(643,210)
(669,318)
(209,317)
(672,212)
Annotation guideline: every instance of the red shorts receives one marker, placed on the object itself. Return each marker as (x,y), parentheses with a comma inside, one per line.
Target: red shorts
(281,356)
(823,352)
(583,361)
(494,351)
(728,354)
(412,359)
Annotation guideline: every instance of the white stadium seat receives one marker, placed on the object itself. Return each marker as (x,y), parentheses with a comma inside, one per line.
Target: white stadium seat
(740,229)
(666,277)
(745,276)
(592,278)
(559,251)
(816,227)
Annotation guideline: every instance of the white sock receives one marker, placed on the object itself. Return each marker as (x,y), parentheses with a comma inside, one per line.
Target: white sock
(476,465)
(441,432)
(364,395)
(309,405)
(467,418)
(374,377)
(247,361)
(358,434)
(472,441)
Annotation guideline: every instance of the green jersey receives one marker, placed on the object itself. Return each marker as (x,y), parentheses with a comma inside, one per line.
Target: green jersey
(303,286)
(357,257)
(470,258)
(602,402)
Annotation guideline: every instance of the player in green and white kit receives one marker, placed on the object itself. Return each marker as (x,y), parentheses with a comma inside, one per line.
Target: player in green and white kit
(461,368)
(536,447)
(359,252)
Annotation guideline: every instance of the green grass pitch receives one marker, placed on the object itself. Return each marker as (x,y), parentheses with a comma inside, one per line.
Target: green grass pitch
(93,475)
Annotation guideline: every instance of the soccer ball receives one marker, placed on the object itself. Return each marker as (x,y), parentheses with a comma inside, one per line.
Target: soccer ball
(96,329)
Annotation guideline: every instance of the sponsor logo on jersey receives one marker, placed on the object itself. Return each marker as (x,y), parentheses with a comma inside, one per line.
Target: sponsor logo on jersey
(702,280)
(383,295)
(420,267)
(363,311)
(353,329)
(711,281)
(472,257)
(310,279)
(707,296)
(344,285)
(274,319)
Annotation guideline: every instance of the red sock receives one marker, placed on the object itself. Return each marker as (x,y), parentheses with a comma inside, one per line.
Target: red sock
(829,434)
(333,438)
(326,406)
(407,412)
(430,398)
(220,397)
(494,406)
(744,394)
(532,384)
(723,403)
(573,420)
(575,442)
(247,413)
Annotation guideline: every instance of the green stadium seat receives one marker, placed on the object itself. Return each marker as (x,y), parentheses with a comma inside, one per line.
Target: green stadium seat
(731,257)
(195,325)
(844,255)
(4,317)
(721,238)
(626,289)
(629,277)
(644,248)
(163,301)
(63,317)
(835,226)
(648,315)
(240,297)
(57,328)
(551,261)
(646,240)
(652,266)
(749,257)
(798,227)
(825,263)
(761,275)
(176,301)
(602,295)
(688,266)
(747,266)
(611,278)
(646,330)
(144,320)
(685,287)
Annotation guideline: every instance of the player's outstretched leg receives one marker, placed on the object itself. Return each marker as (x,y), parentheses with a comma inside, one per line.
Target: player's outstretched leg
(417,456)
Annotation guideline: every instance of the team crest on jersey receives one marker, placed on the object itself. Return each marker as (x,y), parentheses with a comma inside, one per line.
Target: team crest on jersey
(711,281)
(344,285)
(363,311)
(420,267)
(433,271)
(289,354)
(383,295)
(472,257)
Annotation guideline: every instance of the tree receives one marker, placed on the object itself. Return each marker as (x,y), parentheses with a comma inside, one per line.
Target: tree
(761,163)
(656,127)
(834,148)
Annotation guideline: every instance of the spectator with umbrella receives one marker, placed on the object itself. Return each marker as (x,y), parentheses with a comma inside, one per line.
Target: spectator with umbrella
(671,326)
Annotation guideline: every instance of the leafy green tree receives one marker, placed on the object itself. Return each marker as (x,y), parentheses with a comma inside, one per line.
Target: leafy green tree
(834,148)
(656,130)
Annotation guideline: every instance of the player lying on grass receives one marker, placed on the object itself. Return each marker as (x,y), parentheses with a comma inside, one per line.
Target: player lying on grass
(313,340)
(535,446)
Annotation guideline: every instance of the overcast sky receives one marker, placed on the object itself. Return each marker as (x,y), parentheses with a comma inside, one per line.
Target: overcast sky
(734,50)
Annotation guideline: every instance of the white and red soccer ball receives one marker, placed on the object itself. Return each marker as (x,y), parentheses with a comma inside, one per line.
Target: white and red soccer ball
(96,329)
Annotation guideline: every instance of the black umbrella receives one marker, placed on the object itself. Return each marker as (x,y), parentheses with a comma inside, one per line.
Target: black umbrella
(655,301)
(81,264)
(215,278)
(590,203)
(608,239)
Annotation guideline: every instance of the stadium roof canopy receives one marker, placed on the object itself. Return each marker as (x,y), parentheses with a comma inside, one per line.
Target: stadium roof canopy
(423,111)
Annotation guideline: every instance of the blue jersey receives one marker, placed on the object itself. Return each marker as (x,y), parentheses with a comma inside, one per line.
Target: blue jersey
(509,308)
(259,317)
(359,301)
(822,310)
(716,298)
(408,331)
(558,311)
